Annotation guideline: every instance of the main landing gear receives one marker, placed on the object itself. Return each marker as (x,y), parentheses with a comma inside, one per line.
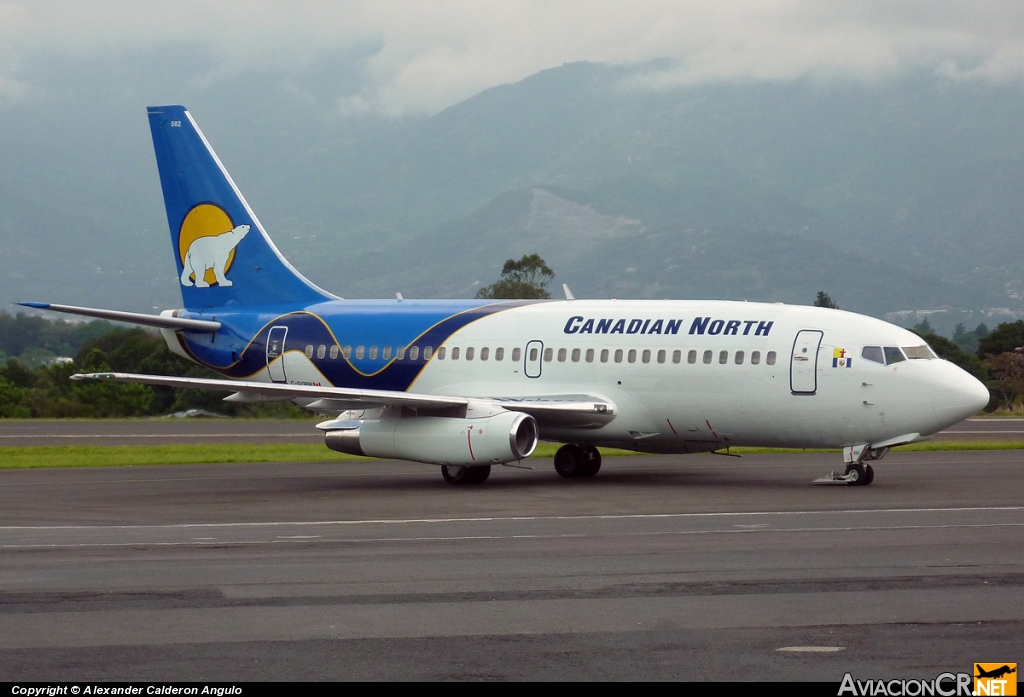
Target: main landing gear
(454,474)
(573,461)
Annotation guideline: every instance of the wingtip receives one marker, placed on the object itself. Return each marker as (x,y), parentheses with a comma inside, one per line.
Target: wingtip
(38,306)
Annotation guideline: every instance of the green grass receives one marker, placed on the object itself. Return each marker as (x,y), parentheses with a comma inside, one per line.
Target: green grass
(124,455)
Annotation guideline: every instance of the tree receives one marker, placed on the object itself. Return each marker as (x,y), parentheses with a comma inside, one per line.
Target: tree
(1007,369)
(824,300)
(924,327)
(525,279)
(1004,338)
(968,341)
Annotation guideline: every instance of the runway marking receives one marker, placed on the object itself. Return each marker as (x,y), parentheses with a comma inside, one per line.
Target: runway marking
(499,519)
(476,538)
(811,649)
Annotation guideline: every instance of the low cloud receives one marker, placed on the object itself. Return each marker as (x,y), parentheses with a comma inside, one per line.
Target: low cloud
(430,55)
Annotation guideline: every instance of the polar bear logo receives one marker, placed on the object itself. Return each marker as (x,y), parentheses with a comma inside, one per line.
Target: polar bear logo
(211,252)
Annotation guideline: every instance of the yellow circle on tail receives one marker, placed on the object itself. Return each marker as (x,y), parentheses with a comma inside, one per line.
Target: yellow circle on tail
(205,220)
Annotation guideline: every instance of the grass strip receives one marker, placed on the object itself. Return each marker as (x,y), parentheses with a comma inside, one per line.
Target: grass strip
(136,455)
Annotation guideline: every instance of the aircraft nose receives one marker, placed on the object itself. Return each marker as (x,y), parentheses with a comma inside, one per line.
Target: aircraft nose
(960,395)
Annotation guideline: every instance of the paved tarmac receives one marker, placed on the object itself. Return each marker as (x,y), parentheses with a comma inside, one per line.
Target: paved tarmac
(699,567)
(169,431)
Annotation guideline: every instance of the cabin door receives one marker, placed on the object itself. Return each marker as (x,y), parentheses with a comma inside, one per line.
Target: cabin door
(275,353)
(803,364)
(533,359)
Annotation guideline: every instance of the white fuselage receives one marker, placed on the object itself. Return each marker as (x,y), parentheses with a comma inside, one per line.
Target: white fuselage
(693,384)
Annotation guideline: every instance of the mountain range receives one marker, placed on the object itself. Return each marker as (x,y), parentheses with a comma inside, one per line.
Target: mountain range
(895,196)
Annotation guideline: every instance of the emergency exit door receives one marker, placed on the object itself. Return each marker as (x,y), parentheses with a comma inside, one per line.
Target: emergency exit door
(533,359)
(275,353)
(803,364)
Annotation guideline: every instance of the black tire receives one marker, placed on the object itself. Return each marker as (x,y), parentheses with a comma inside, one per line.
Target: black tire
(479,474)
(593,464)
(869,474)
(570,461)
(859,475)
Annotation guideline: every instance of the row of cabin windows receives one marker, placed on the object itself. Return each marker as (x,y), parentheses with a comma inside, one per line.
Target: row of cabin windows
(630,355)
(400,354)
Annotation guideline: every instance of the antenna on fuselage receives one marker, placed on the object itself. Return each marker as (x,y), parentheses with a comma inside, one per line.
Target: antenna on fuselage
(568,293)
(398,296)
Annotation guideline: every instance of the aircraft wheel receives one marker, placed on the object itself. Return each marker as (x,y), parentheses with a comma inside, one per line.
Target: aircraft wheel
(857,475)
(869,474)
(458,474)
(570,461)
(479,474)
(593,464)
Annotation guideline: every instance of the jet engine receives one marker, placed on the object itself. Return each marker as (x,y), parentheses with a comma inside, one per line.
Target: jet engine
(439,440)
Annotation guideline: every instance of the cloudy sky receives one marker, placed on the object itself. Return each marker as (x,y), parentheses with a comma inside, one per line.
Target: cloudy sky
(412,57)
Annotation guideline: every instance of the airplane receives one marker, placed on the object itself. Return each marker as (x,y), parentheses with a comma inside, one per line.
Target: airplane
(467,384)
(995,672)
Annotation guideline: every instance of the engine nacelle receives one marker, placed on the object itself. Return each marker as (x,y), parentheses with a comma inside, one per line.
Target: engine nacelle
(440,440)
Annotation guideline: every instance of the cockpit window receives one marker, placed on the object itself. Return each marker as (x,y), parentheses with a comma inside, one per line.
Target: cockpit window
(920,352)
(893,355)
(873,353)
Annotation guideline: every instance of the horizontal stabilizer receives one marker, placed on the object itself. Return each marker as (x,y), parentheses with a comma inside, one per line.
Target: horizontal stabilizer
(197,325)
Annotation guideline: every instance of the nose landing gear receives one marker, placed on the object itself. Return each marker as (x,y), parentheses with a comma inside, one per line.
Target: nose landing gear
(857,473)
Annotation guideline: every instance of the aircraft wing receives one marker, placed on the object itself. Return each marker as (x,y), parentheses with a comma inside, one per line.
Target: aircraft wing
(581,411)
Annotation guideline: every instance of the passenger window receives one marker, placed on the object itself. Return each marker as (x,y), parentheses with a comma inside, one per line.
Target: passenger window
(576,355)
(373,353)
(516,353)
(893,355)
(485,353)
(309,351)
(548,355)
(770,358)
(387,353)
(499,354)
(618,355)
(360,352)
(455,353)
(604,355)
(691,357)
(334,352)
(631,356)
(428,352)
(755,357)
(723,357)
(661,356)
(469,353)
(561,355)
(400,353)
(533,354)
(646,356)
(590,355)
(321,351)
(441,353)
(873,353)
(677,356)
(739,358)
(707,357)
(347,352)
(414,352)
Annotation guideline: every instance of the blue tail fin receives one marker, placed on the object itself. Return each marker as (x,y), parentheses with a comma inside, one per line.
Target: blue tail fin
(224,255)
